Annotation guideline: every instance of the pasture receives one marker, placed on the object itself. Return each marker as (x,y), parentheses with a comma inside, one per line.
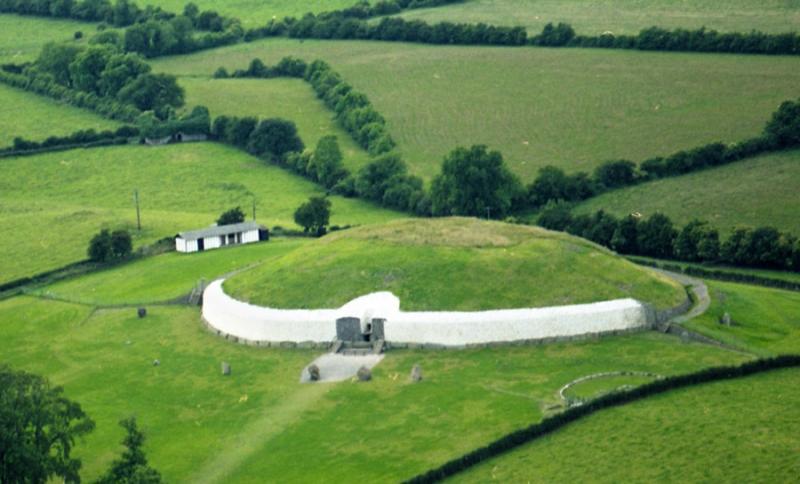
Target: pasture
(255,13)
(573,108)
(259,423)
(454,264)
(754,192)
(21,37)
(35,117)
(740,430)
(291,99)
(621,17)
(55,202)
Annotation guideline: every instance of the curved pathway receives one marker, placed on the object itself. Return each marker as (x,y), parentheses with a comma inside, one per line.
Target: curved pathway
(698,288)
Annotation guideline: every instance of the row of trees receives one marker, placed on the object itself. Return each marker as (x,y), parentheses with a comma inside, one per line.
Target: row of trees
(551,184)
(271,139)
(39,428)
(697,241)
(81,138)
(108,246)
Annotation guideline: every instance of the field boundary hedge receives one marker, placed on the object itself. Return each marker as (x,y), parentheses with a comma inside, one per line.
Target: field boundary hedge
(551,424)
(727,276)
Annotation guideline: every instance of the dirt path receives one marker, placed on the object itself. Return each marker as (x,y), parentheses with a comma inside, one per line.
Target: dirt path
(698,288)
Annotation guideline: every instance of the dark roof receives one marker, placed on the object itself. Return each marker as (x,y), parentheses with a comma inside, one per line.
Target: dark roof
(217,230)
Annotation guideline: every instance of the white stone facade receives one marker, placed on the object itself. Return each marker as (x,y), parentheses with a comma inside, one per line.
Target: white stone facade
(446,328)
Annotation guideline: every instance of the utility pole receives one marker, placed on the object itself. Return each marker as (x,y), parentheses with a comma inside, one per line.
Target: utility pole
(254,209)
(138,217)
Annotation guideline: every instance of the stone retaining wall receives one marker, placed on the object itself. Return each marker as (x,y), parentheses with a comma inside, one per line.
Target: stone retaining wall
(265,326)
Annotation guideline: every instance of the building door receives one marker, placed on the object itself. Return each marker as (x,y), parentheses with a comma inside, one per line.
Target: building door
(201,246)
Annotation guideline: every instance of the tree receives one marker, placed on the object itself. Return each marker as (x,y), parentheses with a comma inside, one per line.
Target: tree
(624,239)
(602,229)
(132,467)
(152,92)
(121,70)
(474,181)
(555,216)
(274,137)
(55,60)
(615,174)
(100,247)
(121,244)
(784,127)
(38,428)
(314,215)
(327,161)
(232,216)
(374,179)
(656,236)
(88,66)
(238,130)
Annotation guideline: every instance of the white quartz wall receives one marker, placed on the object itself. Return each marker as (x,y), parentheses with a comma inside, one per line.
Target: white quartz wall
(433,327)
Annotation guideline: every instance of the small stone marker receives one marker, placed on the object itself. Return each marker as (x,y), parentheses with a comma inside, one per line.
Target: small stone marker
(156,362)
(364,374)
(685,336)
(416,374)
(142,312)
(313,373)
(725,319)
(226,368)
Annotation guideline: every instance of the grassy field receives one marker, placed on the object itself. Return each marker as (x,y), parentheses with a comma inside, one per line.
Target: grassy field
(765,321)
(291,99)
(52,204)
(165,276)
(257,424)
(21,37)
(593,17)
(36,117)
(254,13)
(755,192)
(574,108)
(742,430)
(451,264)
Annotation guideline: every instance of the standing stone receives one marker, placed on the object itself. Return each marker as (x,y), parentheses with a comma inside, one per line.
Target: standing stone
(313,373)
(685,336)
(416,374)
(364,374)
(726,319)
(142,312)
(226,368)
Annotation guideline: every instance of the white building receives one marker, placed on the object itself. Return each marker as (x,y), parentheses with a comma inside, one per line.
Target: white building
(220,236)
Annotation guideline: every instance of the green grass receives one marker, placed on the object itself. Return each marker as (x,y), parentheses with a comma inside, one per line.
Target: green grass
(768,273)
(593,17)
(742,430)
(52,204)
(165,276)
(573,108)
(755,192)
(35,117)
(259,423)
(596,387)
(255,13)
(21,37)
(451,264)
(291,99)
(765,321)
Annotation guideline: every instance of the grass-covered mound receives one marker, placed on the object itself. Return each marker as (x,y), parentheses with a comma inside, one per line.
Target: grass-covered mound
(450,264)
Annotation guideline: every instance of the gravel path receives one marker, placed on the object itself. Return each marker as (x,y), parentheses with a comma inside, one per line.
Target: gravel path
(336,367)
(698,288)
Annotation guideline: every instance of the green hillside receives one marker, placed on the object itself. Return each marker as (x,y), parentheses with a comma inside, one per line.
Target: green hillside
(291,99)
(21,37)
(573,108)
(255,424)
(450,264)
(755,192)
(36,117)
(734,431)
(254,13)
(55,202)
(621,16)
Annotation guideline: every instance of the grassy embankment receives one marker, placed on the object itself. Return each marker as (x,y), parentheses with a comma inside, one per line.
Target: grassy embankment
(259,423)
(52,204)
(621,17)
(35,117)
(573,108)
(451,264)
(291,99)
(767,273)
(755,192)
(21,37)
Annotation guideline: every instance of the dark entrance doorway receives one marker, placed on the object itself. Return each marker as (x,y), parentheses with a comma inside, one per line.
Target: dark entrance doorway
(201,246)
